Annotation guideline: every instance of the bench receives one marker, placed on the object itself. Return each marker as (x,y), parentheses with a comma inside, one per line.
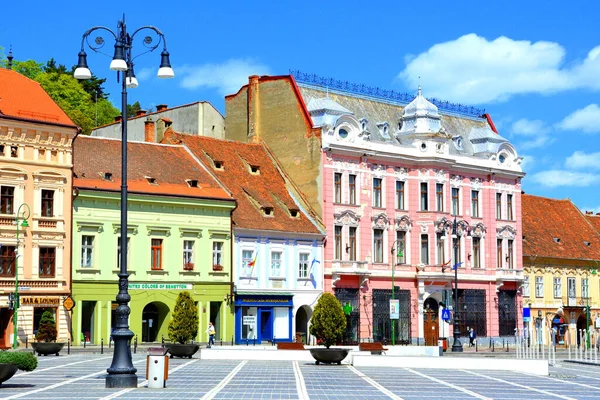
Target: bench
(374,348)
(290,346)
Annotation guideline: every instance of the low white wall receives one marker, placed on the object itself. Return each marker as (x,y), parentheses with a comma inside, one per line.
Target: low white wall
(536,367)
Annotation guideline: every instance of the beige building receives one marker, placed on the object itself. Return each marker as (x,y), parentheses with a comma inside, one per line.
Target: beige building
(35,184)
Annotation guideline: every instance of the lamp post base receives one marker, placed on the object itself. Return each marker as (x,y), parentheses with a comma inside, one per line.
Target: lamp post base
(457,346)
(121,381)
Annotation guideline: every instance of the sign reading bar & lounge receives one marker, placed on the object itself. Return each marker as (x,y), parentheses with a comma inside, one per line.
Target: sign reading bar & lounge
(40,301)
(160,286)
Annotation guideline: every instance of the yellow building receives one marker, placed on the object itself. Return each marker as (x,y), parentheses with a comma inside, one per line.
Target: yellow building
(561,254)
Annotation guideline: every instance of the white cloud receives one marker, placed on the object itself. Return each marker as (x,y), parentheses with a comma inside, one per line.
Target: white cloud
(556,178)
(145,73)
(528,162)
(581,160)
(586,119)
(475,70)
(529,127)
(226,77)
(536,143)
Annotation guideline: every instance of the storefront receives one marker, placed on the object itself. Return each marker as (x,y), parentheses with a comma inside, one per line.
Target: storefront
(262,317)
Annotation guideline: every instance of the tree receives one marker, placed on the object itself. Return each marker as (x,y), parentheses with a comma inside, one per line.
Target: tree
(133,108)
(47,330)
(328,322)
(184,324)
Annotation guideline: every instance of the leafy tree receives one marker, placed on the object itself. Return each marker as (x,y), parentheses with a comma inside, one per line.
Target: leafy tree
(47,330)
(133,108)
(29,68)
(184,324)
(328,322)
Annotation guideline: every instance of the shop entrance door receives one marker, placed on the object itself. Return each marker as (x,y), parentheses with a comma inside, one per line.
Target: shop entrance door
(266,325)
(430,322)
(5,318)
(149,323)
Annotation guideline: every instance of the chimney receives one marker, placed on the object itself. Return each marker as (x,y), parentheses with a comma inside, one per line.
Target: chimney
(118,118)
(149,133)
(161,107)
(140,113)
(253,108)
(589,213)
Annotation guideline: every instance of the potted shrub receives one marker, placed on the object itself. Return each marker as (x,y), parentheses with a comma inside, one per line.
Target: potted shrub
(217,267)
(188,266)
(11,361)
(183,327)
(46,336)
(328,325)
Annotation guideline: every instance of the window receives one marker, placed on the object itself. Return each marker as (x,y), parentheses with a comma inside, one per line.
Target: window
(156,258)
(337,184)
(475,203)
(87,250)
(247,263)
(439,196)
(455,201)
(119,253)
(584,288)
(499,253)
(275,263)
(377,192)
(338,242)
(47,203)
(571,288)
(424,206)
(7,199)
(510,255)
(476,252)
(188,254)
(352,188)
(401,245)
(47,262)
(557,288)
(218,253)
(400,195)
(440,248)
(509,207)
(539,286)
(352,255)
(455,251)
(378,245)
(498,205)
(303,265)
(7,261)
(526,292)
(424,249)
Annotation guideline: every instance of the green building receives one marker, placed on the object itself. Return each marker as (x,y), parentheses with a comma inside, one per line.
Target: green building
(179,238)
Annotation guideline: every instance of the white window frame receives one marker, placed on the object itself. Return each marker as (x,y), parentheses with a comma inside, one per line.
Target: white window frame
(439,203)
(188,251)
(381,193)
(427,254)
(276,262)
(475,208)
(303,264)
(526,291)
(424,206)
(247,257)
(375,254)
(557,287)
(457,201)
(585,288)
(217,252)
(85,249)
(539,286)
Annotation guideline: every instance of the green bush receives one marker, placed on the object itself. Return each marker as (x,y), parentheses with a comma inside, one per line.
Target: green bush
(184,323)
(47,330)
(328,322)
(23,361)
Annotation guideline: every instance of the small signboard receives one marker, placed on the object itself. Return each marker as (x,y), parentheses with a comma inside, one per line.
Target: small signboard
(395,309)
(249,320)
(68,303)
(446,314)
(526,314)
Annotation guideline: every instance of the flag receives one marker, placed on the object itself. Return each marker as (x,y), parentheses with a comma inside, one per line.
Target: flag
(456,265)
(312,275)
(446,263)
(253,262)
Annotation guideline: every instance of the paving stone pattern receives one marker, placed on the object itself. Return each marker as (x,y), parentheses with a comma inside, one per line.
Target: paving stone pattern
(82,376)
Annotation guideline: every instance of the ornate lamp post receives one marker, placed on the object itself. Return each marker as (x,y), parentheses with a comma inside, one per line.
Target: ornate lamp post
(121,373)
(457,345)
(399,246)
(20,220)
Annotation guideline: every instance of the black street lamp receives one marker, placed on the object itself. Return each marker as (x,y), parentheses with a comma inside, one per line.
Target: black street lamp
(121,373)
(457,345)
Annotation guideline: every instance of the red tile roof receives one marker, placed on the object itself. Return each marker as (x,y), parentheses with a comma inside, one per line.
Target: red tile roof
(557,229)
(594,220)
(253,191)
(23,98)
(169,165)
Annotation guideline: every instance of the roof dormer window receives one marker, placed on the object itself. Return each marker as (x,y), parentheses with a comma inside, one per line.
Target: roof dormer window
(294,213)
(588,244)
(108,176)
(268,211)
(193,183)
(363,124)
(151,180)
(255,169)
(219,165)
(556,240)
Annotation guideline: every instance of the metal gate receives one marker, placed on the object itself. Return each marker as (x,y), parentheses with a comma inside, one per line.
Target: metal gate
(350,296)
(382,330)
(507,312)
(472,311)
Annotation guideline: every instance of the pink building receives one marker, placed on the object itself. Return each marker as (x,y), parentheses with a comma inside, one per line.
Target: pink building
(392,182)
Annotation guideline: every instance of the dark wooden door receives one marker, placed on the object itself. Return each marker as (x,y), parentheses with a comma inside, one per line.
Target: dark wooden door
(430,327)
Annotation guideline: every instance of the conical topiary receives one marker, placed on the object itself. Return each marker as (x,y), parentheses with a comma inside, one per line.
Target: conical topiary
(47,330)
(184,323)
(328,322)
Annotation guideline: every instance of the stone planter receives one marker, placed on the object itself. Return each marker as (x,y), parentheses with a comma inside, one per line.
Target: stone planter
(329,356)
(181,350)
(45,348)
(7,371)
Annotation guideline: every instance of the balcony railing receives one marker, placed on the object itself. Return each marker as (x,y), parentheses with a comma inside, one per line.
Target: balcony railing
(348,266)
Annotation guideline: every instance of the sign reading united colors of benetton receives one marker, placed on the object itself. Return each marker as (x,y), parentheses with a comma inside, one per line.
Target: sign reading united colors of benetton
(160,286)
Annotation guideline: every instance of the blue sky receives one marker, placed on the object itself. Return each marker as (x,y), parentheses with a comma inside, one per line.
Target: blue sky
(533,65)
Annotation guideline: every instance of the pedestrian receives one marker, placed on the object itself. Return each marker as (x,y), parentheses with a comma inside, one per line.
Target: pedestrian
(472,338)
(211,334)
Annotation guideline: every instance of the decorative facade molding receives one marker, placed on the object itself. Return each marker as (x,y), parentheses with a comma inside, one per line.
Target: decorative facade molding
(456,181)
(476,183)
(95,226)
(440,175)
(380,221)
(222,234)
(158,230)
(506,232)
(479,230)
(131,229)
(378,170)
(190,232)
(346,217)
(404,223)
(401,173)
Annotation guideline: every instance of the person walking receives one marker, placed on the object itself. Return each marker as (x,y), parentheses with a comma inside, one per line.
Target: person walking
(472,337)
(211,334)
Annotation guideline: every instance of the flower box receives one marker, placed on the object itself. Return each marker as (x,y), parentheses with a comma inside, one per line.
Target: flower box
(217,267)
(188,266)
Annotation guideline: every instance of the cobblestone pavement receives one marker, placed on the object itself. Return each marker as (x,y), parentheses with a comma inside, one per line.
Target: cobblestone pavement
(81,376)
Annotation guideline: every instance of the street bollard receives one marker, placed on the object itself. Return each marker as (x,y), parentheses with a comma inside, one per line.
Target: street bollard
(157,368)
(84,342)
(475,345)
(26,340)
(493,342)
(135,345)
(232,340)
(490,342)
(69,346)
(221,341)
(254,341)
(247,342)
(109,342)
(102,346)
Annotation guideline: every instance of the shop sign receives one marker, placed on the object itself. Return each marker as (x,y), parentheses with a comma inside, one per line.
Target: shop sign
(268,300)
(160,286)
(249,320)
(40,301)
(69,303)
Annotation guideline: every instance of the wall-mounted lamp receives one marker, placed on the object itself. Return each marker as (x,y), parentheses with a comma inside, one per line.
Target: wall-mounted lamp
(469,256)
(347,247)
